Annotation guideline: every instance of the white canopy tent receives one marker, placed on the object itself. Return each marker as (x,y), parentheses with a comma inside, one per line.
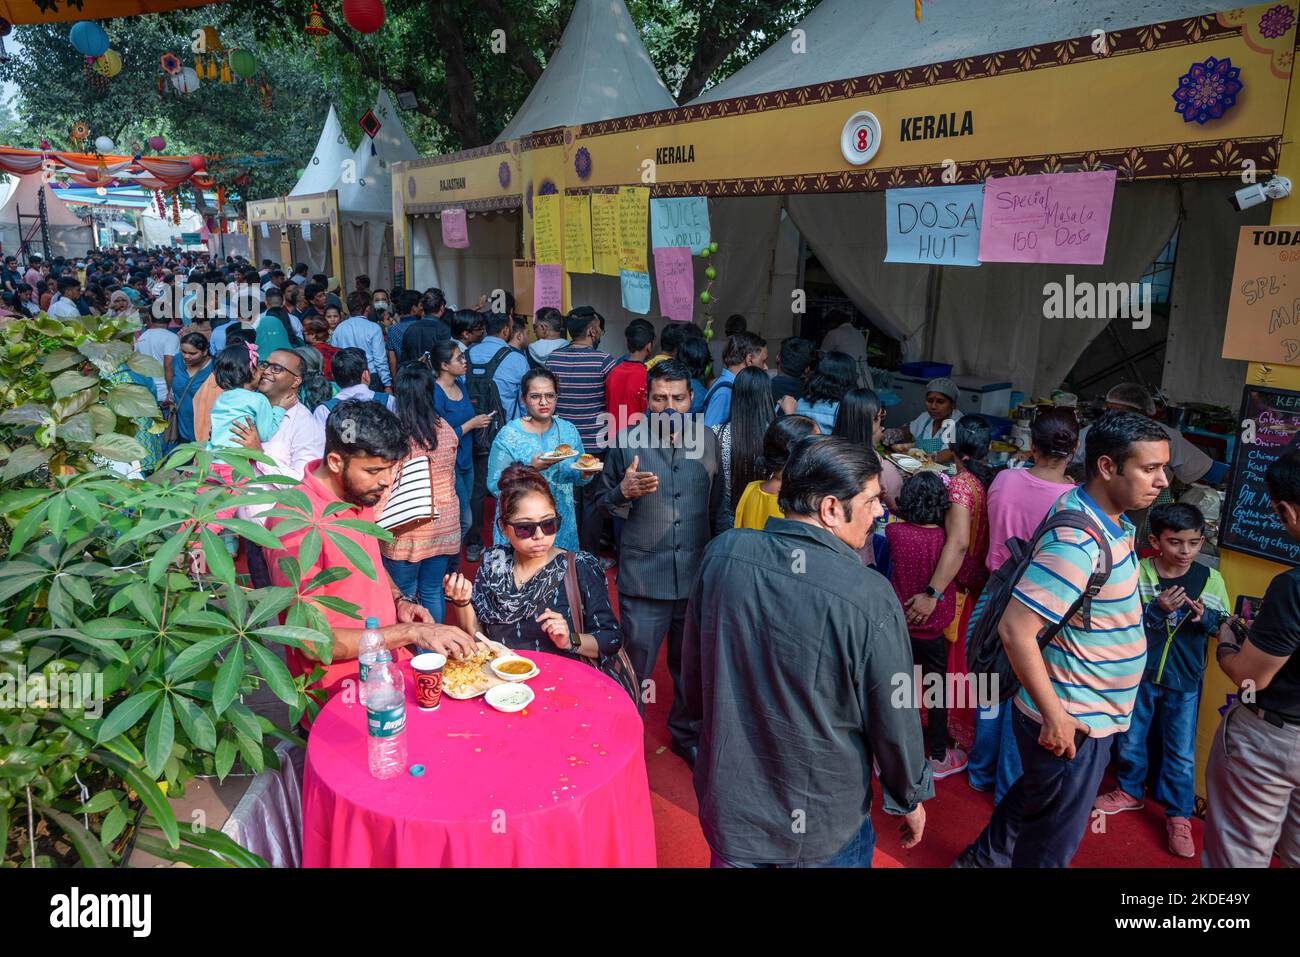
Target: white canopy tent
(69,235)
(600,70)
(366,197)
(325,167)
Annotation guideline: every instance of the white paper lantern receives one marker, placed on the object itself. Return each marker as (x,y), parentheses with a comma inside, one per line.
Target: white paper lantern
(187,81)
(103,144)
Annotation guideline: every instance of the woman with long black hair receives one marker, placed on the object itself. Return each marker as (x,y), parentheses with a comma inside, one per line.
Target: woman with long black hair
(740,439)
(835,375)
(419,553)
(861,418)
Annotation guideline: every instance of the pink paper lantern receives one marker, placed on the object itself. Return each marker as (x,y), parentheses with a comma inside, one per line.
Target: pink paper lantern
(157,144)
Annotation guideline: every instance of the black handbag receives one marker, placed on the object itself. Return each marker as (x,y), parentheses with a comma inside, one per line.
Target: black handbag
(618,665)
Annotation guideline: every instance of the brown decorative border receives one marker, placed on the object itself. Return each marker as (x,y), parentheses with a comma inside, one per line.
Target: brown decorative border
(1169,161)
(478,151)
(513,201)
(536,141)
(1171,33)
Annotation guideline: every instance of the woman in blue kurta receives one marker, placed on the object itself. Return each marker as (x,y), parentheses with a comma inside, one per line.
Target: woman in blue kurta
(525,439)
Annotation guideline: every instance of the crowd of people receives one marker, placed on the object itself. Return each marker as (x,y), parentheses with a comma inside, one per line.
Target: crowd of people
(714,490)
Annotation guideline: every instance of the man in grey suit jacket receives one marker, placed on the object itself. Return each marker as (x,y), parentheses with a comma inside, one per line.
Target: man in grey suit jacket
(663,477)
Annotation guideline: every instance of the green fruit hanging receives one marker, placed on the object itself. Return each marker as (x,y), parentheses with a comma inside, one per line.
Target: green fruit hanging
(704,253)
(710,273)
(713,247)
(705,297)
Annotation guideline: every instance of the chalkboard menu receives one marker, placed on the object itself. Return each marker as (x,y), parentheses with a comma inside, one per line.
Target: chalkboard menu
(1248,523)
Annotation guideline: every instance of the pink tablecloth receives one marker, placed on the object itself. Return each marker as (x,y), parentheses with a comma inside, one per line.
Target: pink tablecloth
(560,784)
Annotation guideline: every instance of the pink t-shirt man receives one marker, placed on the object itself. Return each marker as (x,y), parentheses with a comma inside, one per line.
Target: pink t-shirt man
(1018,502)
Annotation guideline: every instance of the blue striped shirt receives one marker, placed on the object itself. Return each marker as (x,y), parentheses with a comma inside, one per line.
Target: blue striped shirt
(581,371)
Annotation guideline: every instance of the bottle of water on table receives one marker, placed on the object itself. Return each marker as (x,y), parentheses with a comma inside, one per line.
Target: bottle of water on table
(385,717)
(372,642)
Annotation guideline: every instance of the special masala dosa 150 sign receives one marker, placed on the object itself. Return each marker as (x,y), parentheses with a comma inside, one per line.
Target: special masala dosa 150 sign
(1264,304)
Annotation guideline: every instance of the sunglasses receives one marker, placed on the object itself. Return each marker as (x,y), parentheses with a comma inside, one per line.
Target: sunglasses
(274,367)
(548,526)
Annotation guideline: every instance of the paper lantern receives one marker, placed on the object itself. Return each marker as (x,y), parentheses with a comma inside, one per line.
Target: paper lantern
(103,144)
(197,163)
(157,144)
(242,62)
(89,38)
(315,27)
(109,64)
(364,16)
(186,81)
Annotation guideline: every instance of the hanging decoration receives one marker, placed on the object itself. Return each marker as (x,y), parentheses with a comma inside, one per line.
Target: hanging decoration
(5,29)
(89,38)
(243,63)
(78,134)
(364,16)
(186,81)
(706,294)
(158,199)
(264,90)
(176,207)
(108,64)
(103,144)
(221,205)
(157,144)
(210,44)
(315,27)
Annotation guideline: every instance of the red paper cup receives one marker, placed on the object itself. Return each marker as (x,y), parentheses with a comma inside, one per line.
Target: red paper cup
(428,679)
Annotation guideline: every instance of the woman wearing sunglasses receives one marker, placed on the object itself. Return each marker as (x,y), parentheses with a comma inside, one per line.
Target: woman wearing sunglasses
(525,440)
(417,558)
(519,596)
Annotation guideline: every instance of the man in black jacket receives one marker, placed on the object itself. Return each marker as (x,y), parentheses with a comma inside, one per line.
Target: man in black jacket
(795,663)
(663,477)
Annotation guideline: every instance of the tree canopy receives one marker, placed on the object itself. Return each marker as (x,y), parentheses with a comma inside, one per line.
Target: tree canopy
(440,50)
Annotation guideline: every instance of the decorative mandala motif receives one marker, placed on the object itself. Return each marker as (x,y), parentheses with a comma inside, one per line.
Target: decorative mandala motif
(1276,21)
(582,163)
(503,174)
(1207,90)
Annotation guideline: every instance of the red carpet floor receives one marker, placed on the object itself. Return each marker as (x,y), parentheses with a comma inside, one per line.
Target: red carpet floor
(954,817)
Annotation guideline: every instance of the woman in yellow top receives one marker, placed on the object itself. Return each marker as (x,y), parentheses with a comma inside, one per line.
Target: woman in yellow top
(758,502)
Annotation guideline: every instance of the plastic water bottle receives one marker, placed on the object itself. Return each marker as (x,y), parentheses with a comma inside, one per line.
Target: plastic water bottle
(372,643)
(385,718)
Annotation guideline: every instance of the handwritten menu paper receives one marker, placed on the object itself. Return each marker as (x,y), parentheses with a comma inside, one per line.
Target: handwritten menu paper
(577,233)
(305,226)
(604,233)
(680,222)
(548,286)
(546,229)
(455,231)
(937,225)
(633,220)
(1264,302)
(266,231)
(1248,523)
(635,291)
(521,271)
(675,280)
(1047,218)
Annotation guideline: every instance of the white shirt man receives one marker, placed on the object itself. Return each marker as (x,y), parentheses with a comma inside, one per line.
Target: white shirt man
(164,345)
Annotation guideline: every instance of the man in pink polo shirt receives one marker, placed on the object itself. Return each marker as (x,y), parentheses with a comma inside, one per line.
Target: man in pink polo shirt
(363,444)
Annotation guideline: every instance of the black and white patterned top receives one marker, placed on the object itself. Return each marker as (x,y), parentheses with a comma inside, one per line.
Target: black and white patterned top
(723,432)
(507,612)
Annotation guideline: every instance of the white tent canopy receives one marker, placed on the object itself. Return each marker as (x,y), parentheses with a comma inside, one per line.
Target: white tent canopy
(69,235)
(599,71)
(326,164)
(848,38)
(366,197)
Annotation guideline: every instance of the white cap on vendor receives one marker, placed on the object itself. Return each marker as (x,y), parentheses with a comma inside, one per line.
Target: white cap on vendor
(944,386)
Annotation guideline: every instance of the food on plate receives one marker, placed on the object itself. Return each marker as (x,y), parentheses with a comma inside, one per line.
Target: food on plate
(587,461)
(562,451)
(464,677)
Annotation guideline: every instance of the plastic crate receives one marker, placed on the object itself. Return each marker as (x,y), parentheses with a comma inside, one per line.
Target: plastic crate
(926,370)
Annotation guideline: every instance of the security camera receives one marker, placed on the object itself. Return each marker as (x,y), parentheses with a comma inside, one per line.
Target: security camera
(1279,187)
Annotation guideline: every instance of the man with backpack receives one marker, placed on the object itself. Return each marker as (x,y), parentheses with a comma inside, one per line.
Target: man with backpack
(1068,615)
(492,384)
(743,350)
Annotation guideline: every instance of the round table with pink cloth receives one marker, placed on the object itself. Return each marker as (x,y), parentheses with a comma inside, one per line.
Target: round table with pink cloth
(560,784)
